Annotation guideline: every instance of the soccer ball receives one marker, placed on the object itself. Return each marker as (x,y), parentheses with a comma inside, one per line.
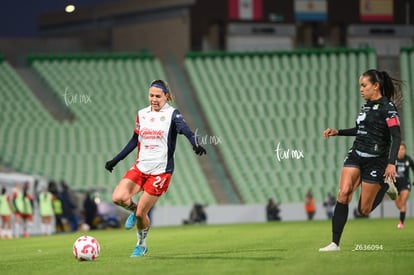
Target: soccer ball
(86,248)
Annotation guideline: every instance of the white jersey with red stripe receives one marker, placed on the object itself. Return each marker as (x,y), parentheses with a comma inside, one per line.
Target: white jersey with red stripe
(157,136)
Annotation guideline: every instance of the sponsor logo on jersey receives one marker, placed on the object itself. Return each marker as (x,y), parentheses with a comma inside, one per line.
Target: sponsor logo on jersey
(147,133)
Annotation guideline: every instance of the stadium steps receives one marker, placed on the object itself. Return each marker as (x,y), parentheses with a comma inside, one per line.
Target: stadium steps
(217,177)
(50,102)
(75,151)
(407,75)
(112,84)
(269,104)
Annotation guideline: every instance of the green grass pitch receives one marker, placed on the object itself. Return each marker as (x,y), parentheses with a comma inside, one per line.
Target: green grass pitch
(369,246)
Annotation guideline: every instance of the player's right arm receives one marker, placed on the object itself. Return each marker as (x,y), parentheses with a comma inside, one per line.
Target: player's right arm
(342,132)
(129,147)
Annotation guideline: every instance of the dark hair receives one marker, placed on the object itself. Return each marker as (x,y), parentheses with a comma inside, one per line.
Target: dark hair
(3,190)
(164,86)
(389,86)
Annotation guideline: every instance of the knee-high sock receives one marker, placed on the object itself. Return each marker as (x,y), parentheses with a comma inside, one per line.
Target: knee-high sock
(402,217)
(338,221)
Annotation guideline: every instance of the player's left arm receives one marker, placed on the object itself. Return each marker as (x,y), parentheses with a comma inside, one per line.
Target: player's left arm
(183,129)
(411,163)
(395,132)
(393,124)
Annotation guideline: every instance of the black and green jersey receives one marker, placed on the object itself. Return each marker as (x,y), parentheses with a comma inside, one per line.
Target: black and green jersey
(372,127)
(402,166)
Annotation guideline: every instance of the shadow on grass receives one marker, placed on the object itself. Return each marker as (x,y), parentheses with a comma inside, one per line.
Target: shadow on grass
(246,254)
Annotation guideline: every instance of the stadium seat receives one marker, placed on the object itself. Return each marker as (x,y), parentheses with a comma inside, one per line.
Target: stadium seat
(104,93)
(286,98)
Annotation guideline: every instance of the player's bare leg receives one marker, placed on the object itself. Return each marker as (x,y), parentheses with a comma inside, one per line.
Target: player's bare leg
(122,196)
(368,194)
(123,193)
(401,203)
(145,203)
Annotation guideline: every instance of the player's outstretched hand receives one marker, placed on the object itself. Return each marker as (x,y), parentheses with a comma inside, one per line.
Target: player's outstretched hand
(199,150)
(110,164)
(330,132)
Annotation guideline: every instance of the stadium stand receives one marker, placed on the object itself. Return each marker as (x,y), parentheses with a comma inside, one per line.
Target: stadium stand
(102,91)
(270,108)
(407,75)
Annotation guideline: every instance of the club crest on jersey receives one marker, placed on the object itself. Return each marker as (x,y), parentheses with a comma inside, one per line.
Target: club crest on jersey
(162,118)
(361,117)
(376,106)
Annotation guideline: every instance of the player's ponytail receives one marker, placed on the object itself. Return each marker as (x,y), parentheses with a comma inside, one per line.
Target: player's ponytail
(392,88)
(389,86)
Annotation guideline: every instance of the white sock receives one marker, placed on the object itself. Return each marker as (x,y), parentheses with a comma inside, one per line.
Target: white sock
(43,228)
(17,230)
(142,236)
(49,229)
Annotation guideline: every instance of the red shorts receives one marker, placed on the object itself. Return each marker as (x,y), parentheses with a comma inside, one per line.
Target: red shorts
(28,217)
(155,185)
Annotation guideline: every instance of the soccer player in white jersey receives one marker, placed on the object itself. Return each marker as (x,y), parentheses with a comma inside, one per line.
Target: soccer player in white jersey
(155,135)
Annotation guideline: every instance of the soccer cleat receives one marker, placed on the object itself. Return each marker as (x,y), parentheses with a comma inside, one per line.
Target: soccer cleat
(131,221)
(400,225)
(392,190)
(139,251)
(330,248)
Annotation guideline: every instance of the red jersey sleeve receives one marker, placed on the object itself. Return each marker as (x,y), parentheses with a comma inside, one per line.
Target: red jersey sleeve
(136,129)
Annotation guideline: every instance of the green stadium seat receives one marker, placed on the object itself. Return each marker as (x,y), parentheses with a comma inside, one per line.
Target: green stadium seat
(76,151)
(282,97)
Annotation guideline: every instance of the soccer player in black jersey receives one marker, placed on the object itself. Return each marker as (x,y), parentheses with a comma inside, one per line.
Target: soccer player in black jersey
(371,160)
(403,184)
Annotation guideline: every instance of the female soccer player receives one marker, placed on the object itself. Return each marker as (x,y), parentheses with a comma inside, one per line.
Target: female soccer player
(373,154)
(22,204)
(155,134)
(5,214)
(45,200)
(403,184)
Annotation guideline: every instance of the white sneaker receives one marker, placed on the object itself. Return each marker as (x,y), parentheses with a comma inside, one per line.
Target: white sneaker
(392,190)
(329,248)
